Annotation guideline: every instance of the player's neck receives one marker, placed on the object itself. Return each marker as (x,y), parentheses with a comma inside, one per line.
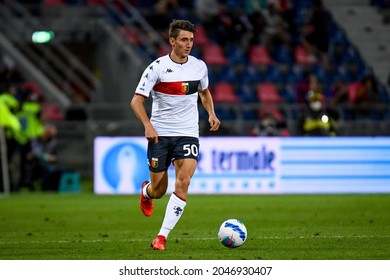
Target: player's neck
(177,58)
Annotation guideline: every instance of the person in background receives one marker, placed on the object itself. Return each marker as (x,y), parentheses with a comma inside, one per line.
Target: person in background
(308,82)
(365,98)
(9,107)
(9,124)
(43,159)
(316,121)
(316,36)
(175,82)
(276,30)
(269,126)
(32,127)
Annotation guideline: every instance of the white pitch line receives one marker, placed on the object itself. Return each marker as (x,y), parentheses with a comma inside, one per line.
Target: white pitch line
(146,240)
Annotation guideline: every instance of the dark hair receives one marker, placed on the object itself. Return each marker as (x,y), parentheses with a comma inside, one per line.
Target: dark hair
(177,25)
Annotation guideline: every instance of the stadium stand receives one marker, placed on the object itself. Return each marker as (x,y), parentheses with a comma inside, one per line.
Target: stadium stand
(119,37)
(131,18)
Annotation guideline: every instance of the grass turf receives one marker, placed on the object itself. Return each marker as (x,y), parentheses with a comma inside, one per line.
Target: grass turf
(42,226)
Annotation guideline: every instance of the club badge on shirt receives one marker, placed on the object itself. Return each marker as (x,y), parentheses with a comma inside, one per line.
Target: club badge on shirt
(185,87)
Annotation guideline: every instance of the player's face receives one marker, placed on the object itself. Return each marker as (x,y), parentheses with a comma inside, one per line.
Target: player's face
(183,44)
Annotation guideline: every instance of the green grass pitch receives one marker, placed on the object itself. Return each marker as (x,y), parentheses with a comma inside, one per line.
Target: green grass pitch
(85,226)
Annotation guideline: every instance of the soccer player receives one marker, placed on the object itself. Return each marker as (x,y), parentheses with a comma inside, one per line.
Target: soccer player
(175,81)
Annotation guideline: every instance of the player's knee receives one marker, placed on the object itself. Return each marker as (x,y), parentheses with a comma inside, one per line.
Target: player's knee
(182,183)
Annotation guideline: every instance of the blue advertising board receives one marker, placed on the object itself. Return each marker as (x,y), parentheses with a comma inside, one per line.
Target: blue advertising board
(255,165)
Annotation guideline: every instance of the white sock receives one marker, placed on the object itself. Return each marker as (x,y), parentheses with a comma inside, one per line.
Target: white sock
(173,212)
(144,192)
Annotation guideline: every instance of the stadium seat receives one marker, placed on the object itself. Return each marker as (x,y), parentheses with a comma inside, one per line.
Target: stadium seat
(249,114)
(303,57)
(271,109)
(352,91)
(213,55)
(259,55)
(163,50)
(283,55)
(252,74)
(246,93)
(52,112)
(130,34)
(215,73)
(236,54)
(224,92)
(225,113)
(268,93)
(288,92)
(273,74)
(201,38)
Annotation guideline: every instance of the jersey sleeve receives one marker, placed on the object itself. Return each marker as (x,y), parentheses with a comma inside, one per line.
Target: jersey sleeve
(148,80)
(204,81)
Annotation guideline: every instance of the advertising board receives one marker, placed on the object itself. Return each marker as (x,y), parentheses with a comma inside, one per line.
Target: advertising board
(255,165)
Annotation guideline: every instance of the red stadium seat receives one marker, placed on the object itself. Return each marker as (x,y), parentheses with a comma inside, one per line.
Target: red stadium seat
(164,50)
(259,55)
(52,112)
(268,93)
(213,55)
(303,57)
(224,92)
(269,96)
(201,38)
(131,34)
(271,109)
(352,91)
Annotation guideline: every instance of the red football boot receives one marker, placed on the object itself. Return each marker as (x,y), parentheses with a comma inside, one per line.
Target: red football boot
(146,204)
(159,243)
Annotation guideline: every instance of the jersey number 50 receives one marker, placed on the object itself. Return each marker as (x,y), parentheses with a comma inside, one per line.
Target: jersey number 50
(190,149)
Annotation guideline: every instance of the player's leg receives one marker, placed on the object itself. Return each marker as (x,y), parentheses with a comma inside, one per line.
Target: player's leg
(158,184)
(155,188)
(158,165)
(184,169)
(184,153)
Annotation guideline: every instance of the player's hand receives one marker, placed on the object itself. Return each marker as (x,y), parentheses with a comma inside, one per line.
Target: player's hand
(151,134)
(214,123)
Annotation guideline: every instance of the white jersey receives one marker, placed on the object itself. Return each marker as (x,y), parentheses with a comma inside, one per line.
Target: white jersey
(174,89)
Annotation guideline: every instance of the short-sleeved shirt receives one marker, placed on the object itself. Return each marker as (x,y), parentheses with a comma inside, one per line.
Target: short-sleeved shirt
(174,89)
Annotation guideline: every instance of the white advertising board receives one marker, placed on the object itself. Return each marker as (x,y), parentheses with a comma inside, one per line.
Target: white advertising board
(255,165)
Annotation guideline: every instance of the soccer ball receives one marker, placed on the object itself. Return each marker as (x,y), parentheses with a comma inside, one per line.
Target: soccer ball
(232,233)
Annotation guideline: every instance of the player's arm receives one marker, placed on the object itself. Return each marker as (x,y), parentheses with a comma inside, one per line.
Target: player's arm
(208,104)
(137,105)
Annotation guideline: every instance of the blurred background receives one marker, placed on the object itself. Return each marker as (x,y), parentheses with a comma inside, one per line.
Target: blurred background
(276,68)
